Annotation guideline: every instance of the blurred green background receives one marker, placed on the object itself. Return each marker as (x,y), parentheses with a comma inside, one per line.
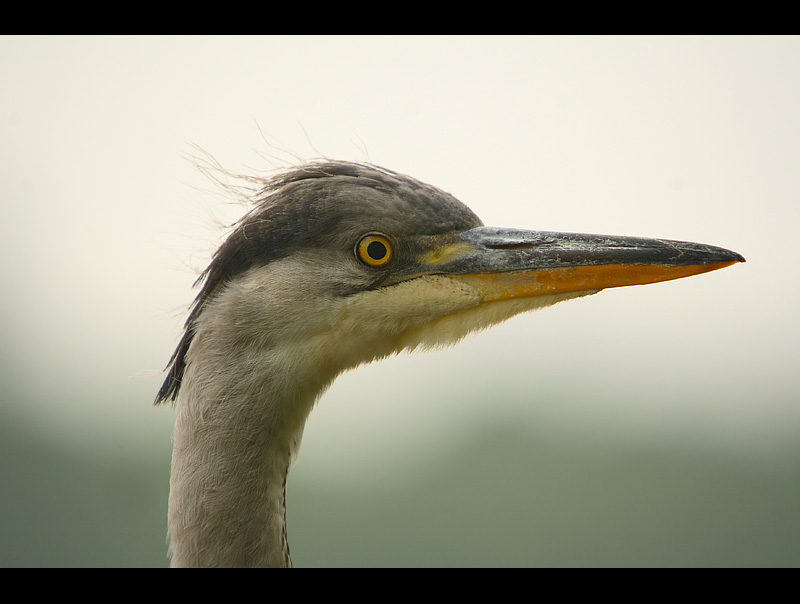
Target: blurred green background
(504,497)
(647,426)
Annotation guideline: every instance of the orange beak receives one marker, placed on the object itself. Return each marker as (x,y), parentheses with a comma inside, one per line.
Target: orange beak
(509,263)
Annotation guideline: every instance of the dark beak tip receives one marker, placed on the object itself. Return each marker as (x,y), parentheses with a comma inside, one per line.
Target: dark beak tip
(735,256)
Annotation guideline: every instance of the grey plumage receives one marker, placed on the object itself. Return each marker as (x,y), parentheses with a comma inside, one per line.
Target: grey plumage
(339,264)
(319,206)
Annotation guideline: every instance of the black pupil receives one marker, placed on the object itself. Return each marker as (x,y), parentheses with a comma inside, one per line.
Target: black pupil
(376,250)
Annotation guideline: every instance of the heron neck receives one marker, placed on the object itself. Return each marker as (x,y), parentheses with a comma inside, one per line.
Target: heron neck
(235,437)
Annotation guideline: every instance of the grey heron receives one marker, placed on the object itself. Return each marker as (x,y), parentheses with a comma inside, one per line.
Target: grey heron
(338,264)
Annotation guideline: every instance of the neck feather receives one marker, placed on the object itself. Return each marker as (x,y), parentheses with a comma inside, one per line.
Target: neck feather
(236,434)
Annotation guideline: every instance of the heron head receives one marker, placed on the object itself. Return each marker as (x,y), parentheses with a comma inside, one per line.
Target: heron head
(340,263)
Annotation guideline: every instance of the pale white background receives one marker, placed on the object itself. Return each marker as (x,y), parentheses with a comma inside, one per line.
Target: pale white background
(106,224)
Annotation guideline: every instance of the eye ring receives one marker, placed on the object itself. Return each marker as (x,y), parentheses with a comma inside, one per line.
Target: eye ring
(374,250)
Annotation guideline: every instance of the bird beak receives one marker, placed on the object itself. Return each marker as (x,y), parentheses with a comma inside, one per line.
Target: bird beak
(504,264)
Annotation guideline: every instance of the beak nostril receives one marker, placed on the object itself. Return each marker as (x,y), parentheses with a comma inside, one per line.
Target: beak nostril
(511,246)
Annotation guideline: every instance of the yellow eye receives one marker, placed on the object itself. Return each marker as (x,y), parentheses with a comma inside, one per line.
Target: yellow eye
(374,250)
